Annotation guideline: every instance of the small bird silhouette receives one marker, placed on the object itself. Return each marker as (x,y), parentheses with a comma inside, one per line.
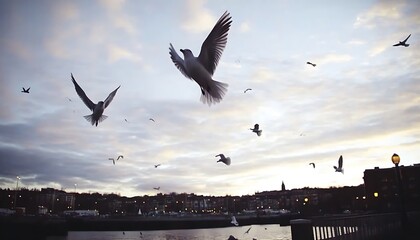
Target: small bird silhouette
(120,156)
(113,160)
(125,119)
(403,43)
(247,231)
(313,64)
(69,99)
(248,89)
(156,188)
(340,165)
(234,222)
(151,119)
(256,129)
(97,109)
(313,164)
(157,165)
(201,68)
(223,159)
(25,90)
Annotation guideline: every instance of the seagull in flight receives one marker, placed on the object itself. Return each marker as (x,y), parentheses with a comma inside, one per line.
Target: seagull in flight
(403,43)
(156,188)
(234,222)
(256,129)
(157,165)
(223,159)
(201,68)
(151,119)
(25,90)
(340,165)
(248,89)
(113,160)
(313,164)
(313,64)
(120,156)
(247,231)
(97,109)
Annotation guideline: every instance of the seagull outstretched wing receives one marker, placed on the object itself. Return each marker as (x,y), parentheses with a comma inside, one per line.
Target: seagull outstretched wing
(108,100)
(82,95)
(340,162)
(213,46)
(178,61)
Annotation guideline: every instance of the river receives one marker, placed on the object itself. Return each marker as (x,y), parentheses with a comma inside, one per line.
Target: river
(270,231)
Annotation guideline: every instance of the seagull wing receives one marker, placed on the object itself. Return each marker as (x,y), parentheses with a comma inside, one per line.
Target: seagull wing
(111,96)
(213,46)
(82,95)
(178,61)
(407,38)
(396,45)
(340,162)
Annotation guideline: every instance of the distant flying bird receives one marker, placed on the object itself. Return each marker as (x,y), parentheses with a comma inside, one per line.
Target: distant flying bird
(247,231)
(313,64)
(313,164)
(125,119)
(201,68)
(340,165)
(232,238)
(256,129)
(120,156)
(157,165)
(25,90)
(223,159)
(113,160)
(248,89)
(69,99)
(234,222)
(156,188)
(151,119)
(97,109)
(403,43)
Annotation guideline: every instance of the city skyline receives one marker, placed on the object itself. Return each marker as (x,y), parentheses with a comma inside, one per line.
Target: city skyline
(360,100)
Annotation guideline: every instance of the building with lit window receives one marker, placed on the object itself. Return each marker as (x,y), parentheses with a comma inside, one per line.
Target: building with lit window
(382,191)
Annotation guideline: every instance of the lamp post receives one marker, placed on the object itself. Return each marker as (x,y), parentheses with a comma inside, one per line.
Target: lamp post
(17,187)
(396,160)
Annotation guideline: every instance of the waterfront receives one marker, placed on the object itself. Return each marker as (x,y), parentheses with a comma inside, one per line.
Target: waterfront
(269,231)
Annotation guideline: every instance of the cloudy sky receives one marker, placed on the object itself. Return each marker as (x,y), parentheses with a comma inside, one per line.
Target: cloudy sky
(361,100)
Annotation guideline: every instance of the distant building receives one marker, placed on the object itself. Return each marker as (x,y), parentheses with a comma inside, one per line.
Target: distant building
(382,188)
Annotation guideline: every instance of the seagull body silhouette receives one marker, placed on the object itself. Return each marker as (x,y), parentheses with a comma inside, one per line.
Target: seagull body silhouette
(340,165)
(313,164)
(234,222)
(403,43)
(248,89)
(25,90)
(256,129)
(97,109)
(223,159)
(157,165)
(313,64)
(156,188)
(201,68)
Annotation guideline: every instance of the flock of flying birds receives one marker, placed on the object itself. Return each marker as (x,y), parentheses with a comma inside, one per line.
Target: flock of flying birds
(199,69)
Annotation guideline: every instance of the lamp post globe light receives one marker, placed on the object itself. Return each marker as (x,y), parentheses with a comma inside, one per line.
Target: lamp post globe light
(396,161)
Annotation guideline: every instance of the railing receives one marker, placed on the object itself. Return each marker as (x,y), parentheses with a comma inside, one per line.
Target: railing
(359,227)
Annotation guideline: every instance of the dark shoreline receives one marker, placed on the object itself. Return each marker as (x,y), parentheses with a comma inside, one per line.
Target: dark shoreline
(32,227)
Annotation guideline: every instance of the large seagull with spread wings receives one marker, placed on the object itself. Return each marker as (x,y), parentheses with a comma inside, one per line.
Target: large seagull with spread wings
(97,109)
(201,68)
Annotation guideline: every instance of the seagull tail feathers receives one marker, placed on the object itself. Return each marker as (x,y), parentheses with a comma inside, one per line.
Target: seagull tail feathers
(92,121)
(259,133)
(213,93)
(228,161)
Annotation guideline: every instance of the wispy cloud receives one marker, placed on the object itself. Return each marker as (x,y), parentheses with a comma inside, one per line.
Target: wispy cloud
(380,14)
(198,18)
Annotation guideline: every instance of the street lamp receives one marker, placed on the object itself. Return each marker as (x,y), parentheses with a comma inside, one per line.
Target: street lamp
(396,160)
(17,186)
